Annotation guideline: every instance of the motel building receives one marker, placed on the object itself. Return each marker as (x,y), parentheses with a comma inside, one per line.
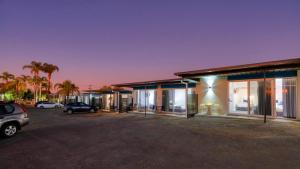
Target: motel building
(268,89)
(108,100)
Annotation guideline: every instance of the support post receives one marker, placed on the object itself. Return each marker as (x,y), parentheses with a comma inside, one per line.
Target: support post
(118,102)
(186,98)
(265,99)
(145,101)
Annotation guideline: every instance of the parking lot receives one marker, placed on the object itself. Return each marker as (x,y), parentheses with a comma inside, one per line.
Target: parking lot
(54,140)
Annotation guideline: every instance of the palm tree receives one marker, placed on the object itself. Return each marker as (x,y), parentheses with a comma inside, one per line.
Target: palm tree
(66,88)
(40,83)
(35,69)
(49,69)
(20,84)
(5,76)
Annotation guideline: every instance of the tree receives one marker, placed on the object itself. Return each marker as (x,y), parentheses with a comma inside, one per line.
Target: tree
(19,84)
(5,76)
(28,95)
(35,69)
(38,83)
(66,88)
(49,69)
(7,85)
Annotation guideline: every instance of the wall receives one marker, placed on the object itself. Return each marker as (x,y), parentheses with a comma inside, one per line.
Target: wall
(298,96)
(212,95)
(159,98)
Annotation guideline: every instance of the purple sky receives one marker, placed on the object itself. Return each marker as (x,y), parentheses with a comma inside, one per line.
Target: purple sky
(104,42)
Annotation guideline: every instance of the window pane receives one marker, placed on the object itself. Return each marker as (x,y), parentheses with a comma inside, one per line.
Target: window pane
(2,110)
(259,100)
(179,100)
(9,108)
(174,100)
(151,99)
(146,98)
(165,100)
(238,97)
(285,97)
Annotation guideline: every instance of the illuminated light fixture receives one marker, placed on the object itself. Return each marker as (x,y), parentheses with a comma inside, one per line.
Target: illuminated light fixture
(210,81)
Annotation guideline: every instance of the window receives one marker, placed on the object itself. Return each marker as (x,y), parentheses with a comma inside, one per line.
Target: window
(285,95)
(256,97)
(6,109)
(259,99)
(174,100)
(146,98)
(238,97)
(2,110)
(9,108)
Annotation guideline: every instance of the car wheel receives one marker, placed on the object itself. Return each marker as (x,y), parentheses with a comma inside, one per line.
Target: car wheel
(92,111)
(9,130)
(69,111)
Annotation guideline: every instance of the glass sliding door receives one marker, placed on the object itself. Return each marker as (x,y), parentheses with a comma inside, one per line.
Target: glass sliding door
(174,100)
(260,97)
(151,100)
(238,97)
(166,100)
(285,91)
(192,102)
(146,99)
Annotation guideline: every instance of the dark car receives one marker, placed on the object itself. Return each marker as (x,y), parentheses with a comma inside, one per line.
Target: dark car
(79,107)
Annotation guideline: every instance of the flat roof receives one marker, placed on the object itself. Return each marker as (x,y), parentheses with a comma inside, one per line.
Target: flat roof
(152,82)
(254,67)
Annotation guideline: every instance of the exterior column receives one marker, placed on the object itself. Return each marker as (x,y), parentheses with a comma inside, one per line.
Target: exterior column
(298,96)
(158,99)
(186,99)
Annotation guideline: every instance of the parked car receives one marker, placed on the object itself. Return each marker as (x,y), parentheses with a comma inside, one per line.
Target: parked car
(79,107)
(49,105)
(12,118)
(39,102)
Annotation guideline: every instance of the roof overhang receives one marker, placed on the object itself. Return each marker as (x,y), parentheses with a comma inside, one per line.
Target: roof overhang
(155,82)
(290,64)
(106,92)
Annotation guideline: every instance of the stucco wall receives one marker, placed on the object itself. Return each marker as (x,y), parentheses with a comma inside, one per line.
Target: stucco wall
(298,95)
(159,97)
(212,96)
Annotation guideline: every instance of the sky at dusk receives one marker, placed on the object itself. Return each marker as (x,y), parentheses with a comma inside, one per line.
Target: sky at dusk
(109,41)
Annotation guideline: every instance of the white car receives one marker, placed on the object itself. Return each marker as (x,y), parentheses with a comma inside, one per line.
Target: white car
(49,105)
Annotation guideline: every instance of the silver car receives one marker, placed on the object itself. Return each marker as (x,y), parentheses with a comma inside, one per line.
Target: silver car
(12,118)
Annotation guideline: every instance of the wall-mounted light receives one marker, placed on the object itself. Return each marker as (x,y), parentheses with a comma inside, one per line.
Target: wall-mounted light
(210,81)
